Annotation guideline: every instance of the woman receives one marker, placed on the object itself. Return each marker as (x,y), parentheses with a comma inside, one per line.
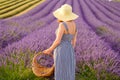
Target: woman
(63,46)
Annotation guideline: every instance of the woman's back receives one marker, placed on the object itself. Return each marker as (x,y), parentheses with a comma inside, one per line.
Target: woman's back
(71,27)
(64,58)
(63,46)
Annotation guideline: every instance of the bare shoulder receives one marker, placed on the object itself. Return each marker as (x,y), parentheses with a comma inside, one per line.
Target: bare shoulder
(61,25)
(74,23)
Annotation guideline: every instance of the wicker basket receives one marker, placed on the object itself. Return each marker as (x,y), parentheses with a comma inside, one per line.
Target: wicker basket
(39,70)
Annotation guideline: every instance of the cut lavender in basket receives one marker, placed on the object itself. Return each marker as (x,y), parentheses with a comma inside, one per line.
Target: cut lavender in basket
(45,60)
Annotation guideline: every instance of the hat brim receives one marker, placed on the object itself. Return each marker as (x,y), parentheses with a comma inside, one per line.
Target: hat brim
(67,17)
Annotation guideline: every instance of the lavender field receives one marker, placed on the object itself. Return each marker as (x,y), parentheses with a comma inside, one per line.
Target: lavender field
(98,42)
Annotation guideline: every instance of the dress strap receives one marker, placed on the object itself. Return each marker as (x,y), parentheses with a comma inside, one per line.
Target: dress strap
(76,29)
(65,25)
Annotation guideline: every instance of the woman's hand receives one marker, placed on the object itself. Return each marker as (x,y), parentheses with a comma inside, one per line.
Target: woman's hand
(47,51)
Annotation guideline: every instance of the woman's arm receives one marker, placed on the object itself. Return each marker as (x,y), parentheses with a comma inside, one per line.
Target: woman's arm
(57,40)
(73,42)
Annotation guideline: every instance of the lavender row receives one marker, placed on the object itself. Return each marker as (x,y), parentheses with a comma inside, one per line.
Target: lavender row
(42,13)
(33,11)
(15,32)
(87,44)
(108,11)
(52,16)
(102,15)
(114,4)
(94,52)
(48,12)
(109,8)
(28,19)
(49,18)
(21,28)
(23,22)
(88,50)
(103,29)
(112,36)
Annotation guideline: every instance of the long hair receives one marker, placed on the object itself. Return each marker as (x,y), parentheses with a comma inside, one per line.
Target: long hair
(63,21)
(59,20)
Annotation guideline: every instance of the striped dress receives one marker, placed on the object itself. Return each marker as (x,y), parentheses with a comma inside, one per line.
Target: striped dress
(64,58)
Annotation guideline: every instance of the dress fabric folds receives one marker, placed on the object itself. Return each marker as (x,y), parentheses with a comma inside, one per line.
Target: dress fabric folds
(64,58)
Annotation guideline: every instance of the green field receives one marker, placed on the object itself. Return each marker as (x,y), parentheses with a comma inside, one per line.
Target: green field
(16,7)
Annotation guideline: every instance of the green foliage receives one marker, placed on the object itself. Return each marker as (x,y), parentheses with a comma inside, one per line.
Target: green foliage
(14,7)
(18,71)
(22,69)
(89,73)
(116,0)
(101,30)
(3,7)
(6,2)
(86,73)
(18,8)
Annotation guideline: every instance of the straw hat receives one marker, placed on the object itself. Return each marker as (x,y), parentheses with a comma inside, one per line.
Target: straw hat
(65,13)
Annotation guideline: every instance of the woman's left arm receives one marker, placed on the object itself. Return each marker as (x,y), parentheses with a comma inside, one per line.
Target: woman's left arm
(57,40)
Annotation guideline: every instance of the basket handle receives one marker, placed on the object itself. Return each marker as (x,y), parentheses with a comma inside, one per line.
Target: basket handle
(48,54)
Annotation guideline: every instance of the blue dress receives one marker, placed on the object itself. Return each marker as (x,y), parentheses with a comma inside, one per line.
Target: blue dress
(64,58)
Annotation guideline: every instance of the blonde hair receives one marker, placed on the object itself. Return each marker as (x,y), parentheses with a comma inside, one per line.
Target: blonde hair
(62,21)
(59,20)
